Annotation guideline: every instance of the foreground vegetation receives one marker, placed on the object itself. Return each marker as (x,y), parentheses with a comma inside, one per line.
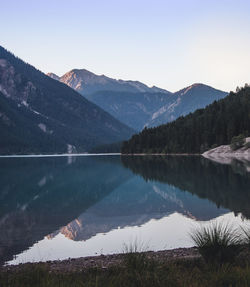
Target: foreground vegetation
(197,132)
(144,273)
(224,262)
(219,243)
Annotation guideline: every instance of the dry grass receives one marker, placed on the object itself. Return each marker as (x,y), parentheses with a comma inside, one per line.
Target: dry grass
(174,274)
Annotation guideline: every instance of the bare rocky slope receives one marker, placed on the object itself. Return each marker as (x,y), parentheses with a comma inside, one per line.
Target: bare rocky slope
(224,153)
(86,82)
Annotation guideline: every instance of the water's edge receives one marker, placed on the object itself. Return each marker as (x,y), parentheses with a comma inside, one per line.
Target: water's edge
(58,155)
(105,261)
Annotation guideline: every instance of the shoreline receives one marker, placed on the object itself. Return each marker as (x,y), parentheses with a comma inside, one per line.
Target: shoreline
(57,155)
(161,154)
(224,154)
(210,154)
(106,261)
(97,154)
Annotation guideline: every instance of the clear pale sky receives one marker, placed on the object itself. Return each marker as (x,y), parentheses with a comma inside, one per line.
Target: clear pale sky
(170,44)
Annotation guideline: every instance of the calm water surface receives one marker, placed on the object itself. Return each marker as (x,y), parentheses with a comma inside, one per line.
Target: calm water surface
(59,207)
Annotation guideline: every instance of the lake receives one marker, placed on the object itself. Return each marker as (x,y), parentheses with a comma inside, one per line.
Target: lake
(66,207)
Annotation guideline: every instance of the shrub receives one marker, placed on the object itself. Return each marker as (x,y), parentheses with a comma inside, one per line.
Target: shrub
(217,243)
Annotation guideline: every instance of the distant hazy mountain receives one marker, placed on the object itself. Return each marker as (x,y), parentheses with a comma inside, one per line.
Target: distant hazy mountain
(138,110)
(134,109)
(184,102)
(40,115)
(86,82)
(134,103)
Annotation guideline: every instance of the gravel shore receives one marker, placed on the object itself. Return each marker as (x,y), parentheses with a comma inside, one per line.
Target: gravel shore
(106,261)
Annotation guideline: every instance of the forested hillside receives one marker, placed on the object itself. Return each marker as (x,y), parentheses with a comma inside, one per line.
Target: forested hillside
(197,132)
(41,115)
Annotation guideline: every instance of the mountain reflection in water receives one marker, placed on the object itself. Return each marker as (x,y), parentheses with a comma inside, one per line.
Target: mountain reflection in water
(81,197)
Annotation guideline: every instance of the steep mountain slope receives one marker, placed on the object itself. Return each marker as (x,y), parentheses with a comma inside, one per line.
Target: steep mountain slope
(53,76)
(136,105)
(215,125)
(186,101)
(133,109)
(86,82)
(41,115)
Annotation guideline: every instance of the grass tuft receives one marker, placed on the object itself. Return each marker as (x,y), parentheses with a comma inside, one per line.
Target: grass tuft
(135,257)
(246,236)
(218,243)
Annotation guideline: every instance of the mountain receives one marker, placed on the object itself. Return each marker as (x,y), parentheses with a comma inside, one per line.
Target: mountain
(86,82)
(139,110)
(206,128)
(134,103)
(41,115)
(53,76)
(184,102)
(133,109)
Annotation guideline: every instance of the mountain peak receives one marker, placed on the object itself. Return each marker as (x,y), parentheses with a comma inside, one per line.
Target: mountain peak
(80,72)
(198,87)
(86,83)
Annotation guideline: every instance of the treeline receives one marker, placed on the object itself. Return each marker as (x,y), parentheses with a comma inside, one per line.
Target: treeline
(197,132)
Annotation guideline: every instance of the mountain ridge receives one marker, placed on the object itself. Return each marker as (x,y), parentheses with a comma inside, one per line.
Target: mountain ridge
(142,106)
(140,110)
(86,82)
(199,131)
(41,115)
(187,100)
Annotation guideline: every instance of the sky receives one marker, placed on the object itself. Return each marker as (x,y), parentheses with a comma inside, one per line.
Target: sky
(167,43)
